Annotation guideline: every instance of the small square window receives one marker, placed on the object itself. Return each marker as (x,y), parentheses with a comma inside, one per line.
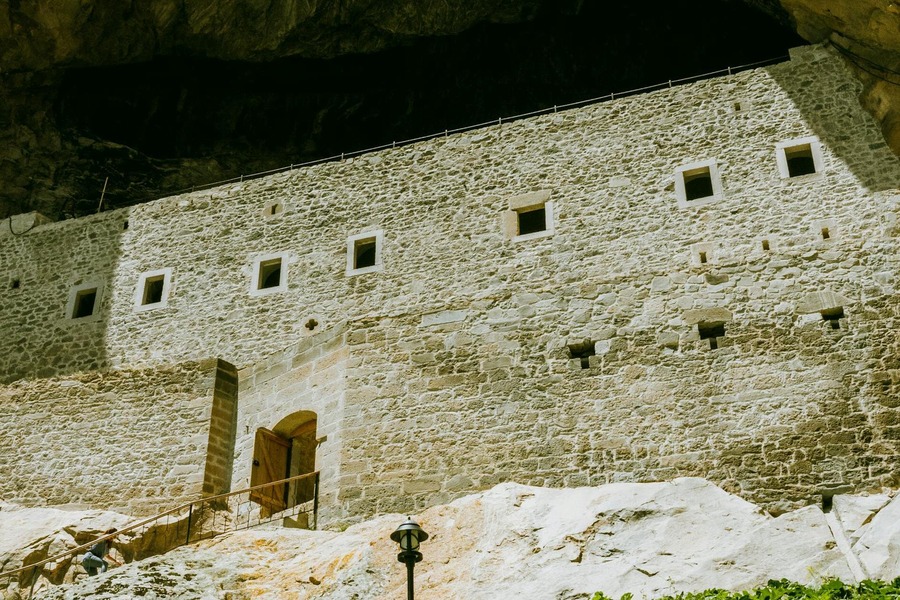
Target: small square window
(697,184)
(833,316)
(269,274)
(711,332)
(799,160)
(84,301)
(799,157)
(583,351)
(530,216)
(153,289)
(532,221)
(364,252)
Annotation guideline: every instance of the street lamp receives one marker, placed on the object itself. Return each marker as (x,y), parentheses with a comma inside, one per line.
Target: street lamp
(409,535)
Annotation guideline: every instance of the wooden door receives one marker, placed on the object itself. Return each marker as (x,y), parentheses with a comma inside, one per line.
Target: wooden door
(271,460)
(303,459)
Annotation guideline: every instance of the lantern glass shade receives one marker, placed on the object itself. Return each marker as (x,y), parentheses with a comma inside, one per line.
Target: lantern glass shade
(408,535)
(409,541)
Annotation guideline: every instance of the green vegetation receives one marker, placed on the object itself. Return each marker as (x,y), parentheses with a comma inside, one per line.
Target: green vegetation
(783,589)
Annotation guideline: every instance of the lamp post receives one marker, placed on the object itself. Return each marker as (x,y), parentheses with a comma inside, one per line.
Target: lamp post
(409,535)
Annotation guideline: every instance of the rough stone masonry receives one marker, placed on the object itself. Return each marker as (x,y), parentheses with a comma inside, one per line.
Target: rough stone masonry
(698,281)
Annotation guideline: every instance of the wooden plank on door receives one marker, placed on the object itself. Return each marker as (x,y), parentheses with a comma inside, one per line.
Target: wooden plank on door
(304,459)
(271,455)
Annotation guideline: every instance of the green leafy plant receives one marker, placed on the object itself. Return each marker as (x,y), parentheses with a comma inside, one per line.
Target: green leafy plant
(782,589)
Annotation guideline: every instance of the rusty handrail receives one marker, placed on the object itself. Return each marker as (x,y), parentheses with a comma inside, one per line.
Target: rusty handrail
(148,520)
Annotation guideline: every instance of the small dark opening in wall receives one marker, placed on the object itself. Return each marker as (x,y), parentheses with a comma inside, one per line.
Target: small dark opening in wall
(364,253)
(711,331)
(702,256)
(269,274)
(825,233)
(153,289)
(697,183)
(582,350)
(125,225)
(833,316)
(311,324)
(532,221)
(737,107)
(827,503)
(274,209)
(84,303)
(16,284)
(765,245)
(800,160)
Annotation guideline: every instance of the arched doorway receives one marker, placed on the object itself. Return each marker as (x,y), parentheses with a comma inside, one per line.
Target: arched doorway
(287,450)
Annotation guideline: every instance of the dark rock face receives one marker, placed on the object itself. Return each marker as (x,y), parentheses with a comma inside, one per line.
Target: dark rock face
(150,97)
(44,34)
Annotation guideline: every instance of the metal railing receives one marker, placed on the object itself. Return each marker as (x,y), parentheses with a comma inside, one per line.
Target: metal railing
(499,121)
(294,498)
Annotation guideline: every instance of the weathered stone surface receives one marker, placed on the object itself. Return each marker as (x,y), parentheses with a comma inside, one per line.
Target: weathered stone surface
(819,301)
(878,547)
(707,315)
(129,440)
(511,541)
(856,512)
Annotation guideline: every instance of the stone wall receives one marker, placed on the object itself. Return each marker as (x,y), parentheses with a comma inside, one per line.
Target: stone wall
(128,440)
(609,169)
(40,264)
(782,413)
(305,381)
(447,366)
(222,430)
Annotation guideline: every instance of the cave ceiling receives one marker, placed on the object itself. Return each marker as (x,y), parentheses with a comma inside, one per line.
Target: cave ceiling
(147,97)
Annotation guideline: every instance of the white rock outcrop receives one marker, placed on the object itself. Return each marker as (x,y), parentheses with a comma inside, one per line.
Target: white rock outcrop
(537,543)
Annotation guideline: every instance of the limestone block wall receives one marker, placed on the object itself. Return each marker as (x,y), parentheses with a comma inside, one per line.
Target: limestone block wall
(128,440)
(457,371)
(304,381)
(782,413)
(222,431)
(609,169)
(40,264)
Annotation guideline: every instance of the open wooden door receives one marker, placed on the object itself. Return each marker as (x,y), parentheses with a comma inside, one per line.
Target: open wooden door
(271,461)
(303,460)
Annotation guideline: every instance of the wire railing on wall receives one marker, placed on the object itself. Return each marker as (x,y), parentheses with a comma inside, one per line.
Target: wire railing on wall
(499,121)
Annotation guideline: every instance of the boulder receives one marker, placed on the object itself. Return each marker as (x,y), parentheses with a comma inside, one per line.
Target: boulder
(513,540)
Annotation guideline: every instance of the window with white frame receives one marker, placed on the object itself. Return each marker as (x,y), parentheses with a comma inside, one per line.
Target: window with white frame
(364,252)
(153,289)
(84,301)
(799,157)
(698,183)
(530,216)
(269,274)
